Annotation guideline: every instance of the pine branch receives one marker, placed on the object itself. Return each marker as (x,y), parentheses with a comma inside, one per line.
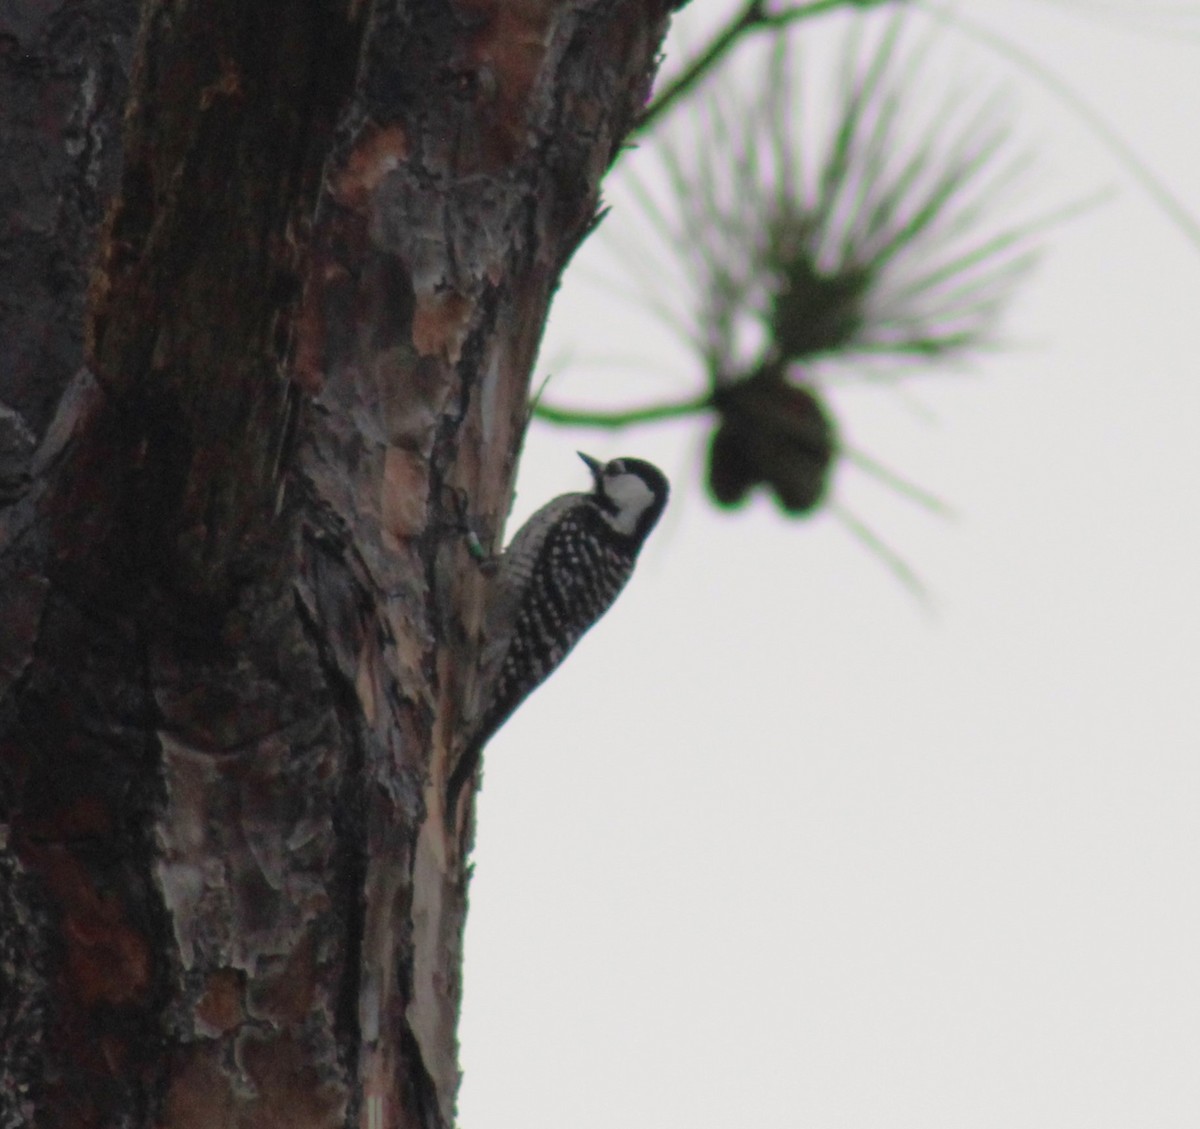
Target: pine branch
(753,17)
(571,417)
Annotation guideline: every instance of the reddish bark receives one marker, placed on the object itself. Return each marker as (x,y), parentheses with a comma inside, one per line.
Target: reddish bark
(237,624)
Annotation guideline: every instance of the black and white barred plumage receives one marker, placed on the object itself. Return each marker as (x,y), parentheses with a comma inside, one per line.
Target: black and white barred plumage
(563,571)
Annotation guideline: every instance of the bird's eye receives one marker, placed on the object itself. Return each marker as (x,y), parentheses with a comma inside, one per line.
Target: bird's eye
(617,466)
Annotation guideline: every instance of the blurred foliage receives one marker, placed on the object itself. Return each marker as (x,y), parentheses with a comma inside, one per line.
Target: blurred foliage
(876,242)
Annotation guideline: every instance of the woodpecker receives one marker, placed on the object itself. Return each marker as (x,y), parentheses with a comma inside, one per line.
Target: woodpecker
(563,570)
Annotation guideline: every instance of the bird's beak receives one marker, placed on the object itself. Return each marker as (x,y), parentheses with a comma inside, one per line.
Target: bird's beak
(594,465)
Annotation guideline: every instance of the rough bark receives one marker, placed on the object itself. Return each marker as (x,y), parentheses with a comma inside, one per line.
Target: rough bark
(272,279)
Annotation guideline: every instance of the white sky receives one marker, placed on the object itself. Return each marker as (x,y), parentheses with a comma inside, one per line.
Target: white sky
(775,848)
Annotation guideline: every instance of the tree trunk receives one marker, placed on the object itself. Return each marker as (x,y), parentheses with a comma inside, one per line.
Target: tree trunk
(272,279)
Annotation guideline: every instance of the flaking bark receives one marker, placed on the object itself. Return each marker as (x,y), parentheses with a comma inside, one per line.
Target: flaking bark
(262,339)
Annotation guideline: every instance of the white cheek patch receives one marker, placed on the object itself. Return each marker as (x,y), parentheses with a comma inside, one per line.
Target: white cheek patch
(632,497)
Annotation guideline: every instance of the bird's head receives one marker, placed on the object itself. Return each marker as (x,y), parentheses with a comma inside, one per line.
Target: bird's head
(630,494)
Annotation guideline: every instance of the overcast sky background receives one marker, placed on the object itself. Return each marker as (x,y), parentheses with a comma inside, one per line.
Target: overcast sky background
(776,847)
